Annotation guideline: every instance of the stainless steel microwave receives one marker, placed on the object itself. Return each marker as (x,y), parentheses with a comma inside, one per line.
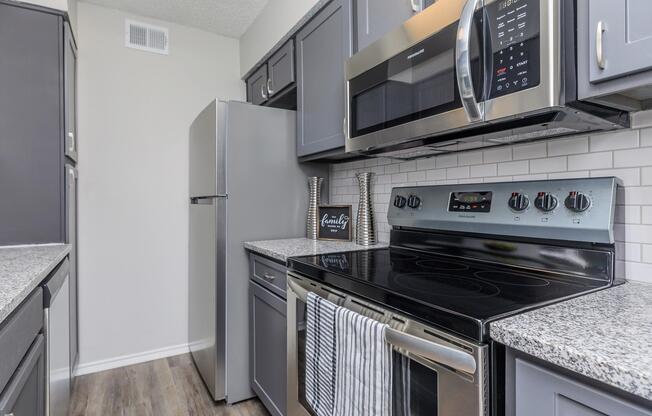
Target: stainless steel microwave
(470,73)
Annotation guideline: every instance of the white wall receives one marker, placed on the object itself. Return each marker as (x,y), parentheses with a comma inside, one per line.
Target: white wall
(273,22)
(134,112)
(625,154)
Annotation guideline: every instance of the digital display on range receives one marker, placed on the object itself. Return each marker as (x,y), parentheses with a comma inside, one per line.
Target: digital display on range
(514,26)
(470,202)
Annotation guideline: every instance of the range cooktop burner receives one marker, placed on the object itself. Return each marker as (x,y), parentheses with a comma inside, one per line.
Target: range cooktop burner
(440,265)
(446,285)
(512,279)
(453,292)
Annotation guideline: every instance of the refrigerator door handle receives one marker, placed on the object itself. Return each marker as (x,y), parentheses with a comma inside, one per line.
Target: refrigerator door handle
(206,200)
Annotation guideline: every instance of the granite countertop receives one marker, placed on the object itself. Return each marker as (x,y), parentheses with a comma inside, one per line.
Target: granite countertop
(22,269)
(295,247)
(605,336)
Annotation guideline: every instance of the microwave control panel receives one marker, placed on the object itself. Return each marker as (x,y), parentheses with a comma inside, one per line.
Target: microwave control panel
(514,29)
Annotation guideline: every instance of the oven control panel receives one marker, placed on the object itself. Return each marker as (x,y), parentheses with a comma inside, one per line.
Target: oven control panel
(567,209)
(513,26)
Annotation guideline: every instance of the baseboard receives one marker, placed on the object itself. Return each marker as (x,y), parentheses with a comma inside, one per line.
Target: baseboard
(125,360)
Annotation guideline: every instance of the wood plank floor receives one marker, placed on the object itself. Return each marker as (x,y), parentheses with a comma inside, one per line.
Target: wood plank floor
(166,387)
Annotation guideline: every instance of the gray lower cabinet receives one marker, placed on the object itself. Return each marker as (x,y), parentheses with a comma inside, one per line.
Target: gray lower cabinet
(614,59)
(268,345)
(322,45)
(541,391)
(25,395)
(22,364)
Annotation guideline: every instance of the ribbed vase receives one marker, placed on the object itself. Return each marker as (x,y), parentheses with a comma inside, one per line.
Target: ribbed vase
(365,225)
(314,199)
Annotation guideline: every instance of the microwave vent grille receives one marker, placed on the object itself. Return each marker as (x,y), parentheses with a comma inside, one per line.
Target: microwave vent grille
(146,37)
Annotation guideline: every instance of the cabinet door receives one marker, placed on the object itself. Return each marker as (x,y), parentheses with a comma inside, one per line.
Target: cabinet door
(280,69)
(31,139)
(541,392)
(374,18)
(257,86)
(268,354)
(323,45)
(70,91)
(620,31)
(71,238)
(25,395)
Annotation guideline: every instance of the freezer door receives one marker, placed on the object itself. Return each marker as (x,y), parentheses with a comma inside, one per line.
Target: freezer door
(206,288)
(207,152)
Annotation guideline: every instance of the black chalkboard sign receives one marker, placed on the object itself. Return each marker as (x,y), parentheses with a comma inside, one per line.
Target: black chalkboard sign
(334,222)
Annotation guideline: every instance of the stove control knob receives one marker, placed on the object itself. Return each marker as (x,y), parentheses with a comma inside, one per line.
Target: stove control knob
(518,202)
(546,201)
(400,201)
(414,201)
(577,202)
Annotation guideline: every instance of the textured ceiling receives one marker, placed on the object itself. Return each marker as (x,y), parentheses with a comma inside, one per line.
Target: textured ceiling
(225,17)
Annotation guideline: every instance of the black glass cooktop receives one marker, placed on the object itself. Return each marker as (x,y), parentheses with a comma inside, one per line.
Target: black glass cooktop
(456,294)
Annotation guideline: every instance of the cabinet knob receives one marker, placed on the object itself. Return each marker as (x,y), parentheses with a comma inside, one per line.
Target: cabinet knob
(270,91)
(262,91)
(269,277)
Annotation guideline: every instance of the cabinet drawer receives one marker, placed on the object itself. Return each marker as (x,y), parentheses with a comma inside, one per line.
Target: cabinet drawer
(25,395)
(17,334)
(268,274)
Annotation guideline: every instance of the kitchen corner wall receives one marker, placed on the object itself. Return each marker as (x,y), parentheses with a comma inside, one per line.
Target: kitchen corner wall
(134,112)
(625,154)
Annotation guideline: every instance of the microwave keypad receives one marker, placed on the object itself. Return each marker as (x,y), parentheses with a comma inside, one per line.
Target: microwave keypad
(514,29)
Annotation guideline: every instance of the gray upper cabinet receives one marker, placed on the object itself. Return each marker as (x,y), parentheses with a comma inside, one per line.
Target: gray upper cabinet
(31,126)
(70,92)
(622,43)
(257,86)
(280,69)
(615,52)
(323,45)
(374,18)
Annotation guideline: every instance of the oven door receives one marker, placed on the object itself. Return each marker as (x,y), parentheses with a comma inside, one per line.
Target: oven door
(424,78)
(435,374)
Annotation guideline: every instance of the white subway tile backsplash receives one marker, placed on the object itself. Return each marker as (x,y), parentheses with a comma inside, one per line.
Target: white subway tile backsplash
(630,177)
(446,161)
(482,171)
(624,139)
(602,160)
(470,158)
(551,164)
(520,167)
(572,146)
(633,157)
(458,173)
(498,154)
(625,154)
(530,151)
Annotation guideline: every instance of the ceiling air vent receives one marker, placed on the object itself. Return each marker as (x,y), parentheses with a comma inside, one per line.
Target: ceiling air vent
(146,37)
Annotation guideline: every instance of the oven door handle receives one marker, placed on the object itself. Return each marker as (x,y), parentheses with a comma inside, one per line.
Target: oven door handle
(474,111)
(437,353)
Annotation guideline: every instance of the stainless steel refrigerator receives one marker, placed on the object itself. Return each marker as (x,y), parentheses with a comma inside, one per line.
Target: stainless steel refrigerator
(245,184)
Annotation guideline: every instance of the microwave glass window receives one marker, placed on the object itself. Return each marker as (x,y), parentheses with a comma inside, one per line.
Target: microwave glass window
(415,84)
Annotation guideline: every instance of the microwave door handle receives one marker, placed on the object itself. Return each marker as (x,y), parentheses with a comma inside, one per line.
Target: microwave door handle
(473,110)
(436,353)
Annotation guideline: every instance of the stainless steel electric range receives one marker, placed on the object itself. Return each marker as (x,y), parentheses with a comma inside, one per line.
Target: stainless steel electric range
(460,257)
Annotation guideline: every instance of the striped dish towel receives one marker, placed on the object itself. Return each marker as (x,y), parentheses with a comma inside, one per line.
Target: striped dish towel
(363,385)
(320,354)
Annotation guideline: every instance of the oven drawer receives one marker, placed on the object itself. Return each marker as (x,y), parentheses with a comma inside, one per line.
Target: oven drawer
(268,274)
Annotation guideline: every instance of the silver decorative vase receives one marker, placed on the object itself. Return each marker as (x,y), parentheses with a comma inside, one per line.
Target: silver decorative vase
(314,199)
(365,225)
